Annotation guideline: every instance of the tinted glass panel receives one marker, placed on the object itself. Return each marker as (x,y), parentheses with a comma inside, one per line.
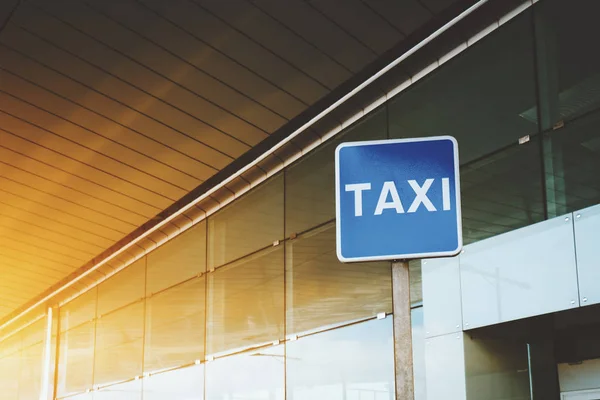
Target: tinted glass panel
(180,384)
(251,223)
(123,288)
(355,362)
(177,260)
(80,310)
(321,291)
(246,302)
(257,376)
(482,98)
(119,337)
(123,391)
(76,359)
(569,81)
(310,184)
(175,326)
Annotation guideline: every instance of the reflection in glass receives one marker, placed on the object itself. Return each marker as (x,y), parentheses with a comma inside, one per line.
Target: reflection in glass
(575,156)
(30,379)
(76,359)
(418,342)
(175,326)
(119,337)
(124,391)
(416,282)
(10,363)
(354,362)
(246,302)
(81,309)
(569,83)
(321,291)
(123,288)
(258,376)
(480,98)
(310,184)
(180,384)
(177,260)
(251,223)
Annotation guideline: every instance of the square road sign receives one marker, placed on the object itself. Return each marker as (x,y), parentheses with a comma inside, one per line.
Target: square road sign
(398,199)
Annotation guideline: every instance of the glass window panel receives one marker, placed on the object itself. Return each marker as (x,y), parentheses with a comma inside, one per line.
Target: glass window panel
(257,376)
(310,184)
(179,384)
(177,260)
(123,391)
(34,333)
(569,87)
(569,73)
(572,157)
(82,396)
(321,291)
(251,223)
(501,193)
(350,363)
(175,326)
(246,302)
(123,288)
(119,337)
(30,379)
(416,282)
(418,342)
(80,310)
(482,98)
(10,345)
(9,376)
(76,359)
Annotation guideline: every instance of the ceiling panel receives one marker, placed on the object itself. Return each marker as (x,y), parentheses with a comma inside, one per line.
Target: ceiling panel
(321,32)
(357,20)
(405,15)
(112,110)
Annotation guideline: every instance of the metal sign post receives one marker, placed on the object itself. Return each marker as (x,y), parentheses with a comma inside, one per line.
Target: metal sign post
(403,357)
(398,200)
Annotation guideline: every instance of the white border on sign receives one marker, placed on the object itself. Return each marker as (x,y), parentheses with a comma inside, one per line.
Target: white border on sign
(398,256)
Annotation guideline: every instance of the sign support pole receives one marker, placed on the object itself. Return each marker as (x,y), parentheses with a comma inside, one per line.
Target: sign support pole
(403,358)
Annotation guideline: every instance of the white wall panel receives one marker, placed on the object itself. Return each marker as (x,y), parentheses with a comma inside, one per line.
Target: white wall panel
(441,296)
(527,272)
(587,244)
(445,367)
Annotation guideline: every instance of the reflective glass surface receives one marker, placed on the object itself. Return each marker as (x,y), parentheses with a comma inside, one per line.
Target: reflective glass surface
(418,342)
(76,359)
(481,97)
(354,362)
(180,384)
(10,363)
(246,302)
(177,260)
(257,375)
(32,359)
(321,291)
(122,288)
(81,309)
(251,223)
(310,184)
(175,326)
(119,339)
(123,391)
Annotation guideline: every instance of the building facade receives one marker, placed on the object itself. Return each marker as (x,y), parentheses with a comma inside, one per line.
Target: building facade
(250,302)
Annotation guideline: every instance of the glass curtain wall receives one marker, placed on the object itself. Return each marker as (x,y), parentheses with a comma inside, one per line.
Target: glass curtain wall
(252,302)
(21,363)
(569,109)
